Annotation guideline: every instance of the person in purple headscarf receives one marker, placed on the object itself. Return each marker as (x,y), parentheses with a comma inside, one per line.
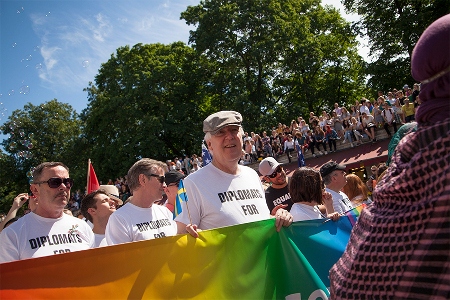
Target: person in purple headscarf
(400,247)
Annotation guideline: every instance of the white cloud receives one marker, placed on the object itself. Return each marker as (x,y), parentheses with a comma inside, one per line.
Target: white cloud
(103,28)
(49,54)
(71,37)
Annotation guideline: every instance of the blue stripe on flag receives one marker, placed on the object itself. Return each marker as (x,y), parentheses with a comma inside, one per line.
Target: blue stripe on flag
(181,196)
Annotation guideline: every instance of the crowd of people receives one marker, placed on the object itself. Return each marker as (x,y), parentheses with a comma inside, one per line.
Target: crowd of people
(320,134)
(147,212)
(353,125)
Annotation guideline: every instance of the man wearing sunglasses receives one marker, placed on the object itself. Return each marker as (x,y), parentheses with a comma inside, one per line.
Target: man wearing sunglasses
(141,218)
(47,230)
(224,193)
(277,194)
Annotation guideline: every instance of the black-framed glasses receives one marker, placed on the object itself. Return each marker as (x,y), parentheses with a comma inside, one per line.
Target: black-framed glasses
(160,178)
(173,184)
(56,182)
(279,169)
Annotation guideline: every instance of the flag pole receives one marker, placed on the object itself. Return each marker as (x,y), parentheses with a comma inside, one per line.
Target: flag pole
(189,214)
(88,175)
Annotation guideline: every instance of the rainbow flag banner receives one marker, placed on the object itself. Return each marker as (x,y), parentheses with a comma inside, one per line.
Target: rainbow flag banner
(248,261)
(354,213)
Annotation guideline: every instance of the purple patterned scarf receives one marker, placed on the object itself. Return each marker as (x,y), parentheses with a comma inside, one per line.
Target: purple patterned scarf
(400,247)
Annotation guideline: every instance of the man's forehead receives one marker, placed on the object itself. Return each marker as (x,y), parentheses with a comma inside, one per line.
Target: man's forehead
(229,127)
(100,197)
(54,169)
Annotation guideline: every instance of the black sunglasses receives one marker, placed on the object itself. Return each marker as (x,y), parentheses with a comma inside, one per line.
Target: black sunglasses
(160,178)
(279,169)
(56,182)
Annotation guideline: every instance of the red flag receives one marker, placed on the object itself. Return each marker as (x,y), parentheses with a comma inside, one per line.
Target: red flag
(92,181)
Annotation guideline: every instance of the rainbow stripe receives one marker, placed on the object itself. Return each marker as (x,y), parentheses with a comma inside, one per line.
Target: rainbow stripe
(354,214)
(248,261)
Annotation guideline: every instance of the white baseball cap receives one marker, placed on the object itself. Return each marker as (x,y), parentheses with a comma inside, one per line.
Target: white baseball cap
(268,166)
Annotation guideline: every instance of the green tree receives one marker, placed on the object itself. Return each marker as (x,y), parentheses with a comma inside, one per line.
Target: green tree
(393,28)
(147,101)
(276,59)
(9,187)
(45,132)
(321,65)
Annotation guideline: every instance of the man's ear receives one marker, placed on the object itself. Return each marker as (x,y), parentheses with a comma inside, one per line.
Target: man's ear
(208,143)
(142,179)
(34,190)
(91,210)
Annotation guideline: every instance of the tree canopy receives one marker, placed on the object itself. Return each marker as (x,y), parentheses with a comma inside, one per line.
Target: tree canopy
(46,132)
(277,59)
(147,101)
(393,29)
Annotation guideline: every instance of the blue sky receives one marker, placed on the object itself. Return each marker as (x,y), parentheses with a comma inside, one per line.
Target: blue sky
(52,49)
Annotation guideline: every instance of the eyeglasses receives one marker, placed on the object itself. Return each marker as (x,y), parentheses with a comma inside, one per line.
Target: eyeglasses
(279,169)
(56,182)
(173,184)
(341,172)
(160,178)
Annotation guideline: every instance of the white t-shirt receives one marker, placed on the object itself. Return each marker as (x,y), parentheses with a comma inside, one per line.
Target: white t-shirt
(392,101)
(338,111)
(218,199)
(100,240)
(389,114)
(365,109)
(304,129)
(303,212)
(131,223)
(288,144)
(366,121)
(341,203)
(34,236)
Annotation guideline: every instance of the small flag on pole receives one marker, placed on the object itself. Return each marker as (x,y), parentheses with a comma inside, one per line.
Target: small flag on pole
(206,156)
(354,213)
(181,196)
(301,158)
(92,181)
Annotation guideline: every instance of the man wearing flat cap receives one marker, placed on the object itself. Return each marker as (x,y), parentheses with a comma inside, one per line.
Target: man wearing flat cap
(333,176)
(224,193)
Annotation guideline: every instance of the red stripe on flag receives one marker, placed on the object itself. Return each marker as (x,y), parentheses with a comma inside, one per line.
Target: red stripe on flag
(93,184)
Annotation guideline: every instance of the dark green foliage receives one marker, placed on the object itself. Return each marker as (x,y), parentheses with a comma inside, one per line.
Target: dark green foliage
(393,28)
(46,132)
(148,101)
